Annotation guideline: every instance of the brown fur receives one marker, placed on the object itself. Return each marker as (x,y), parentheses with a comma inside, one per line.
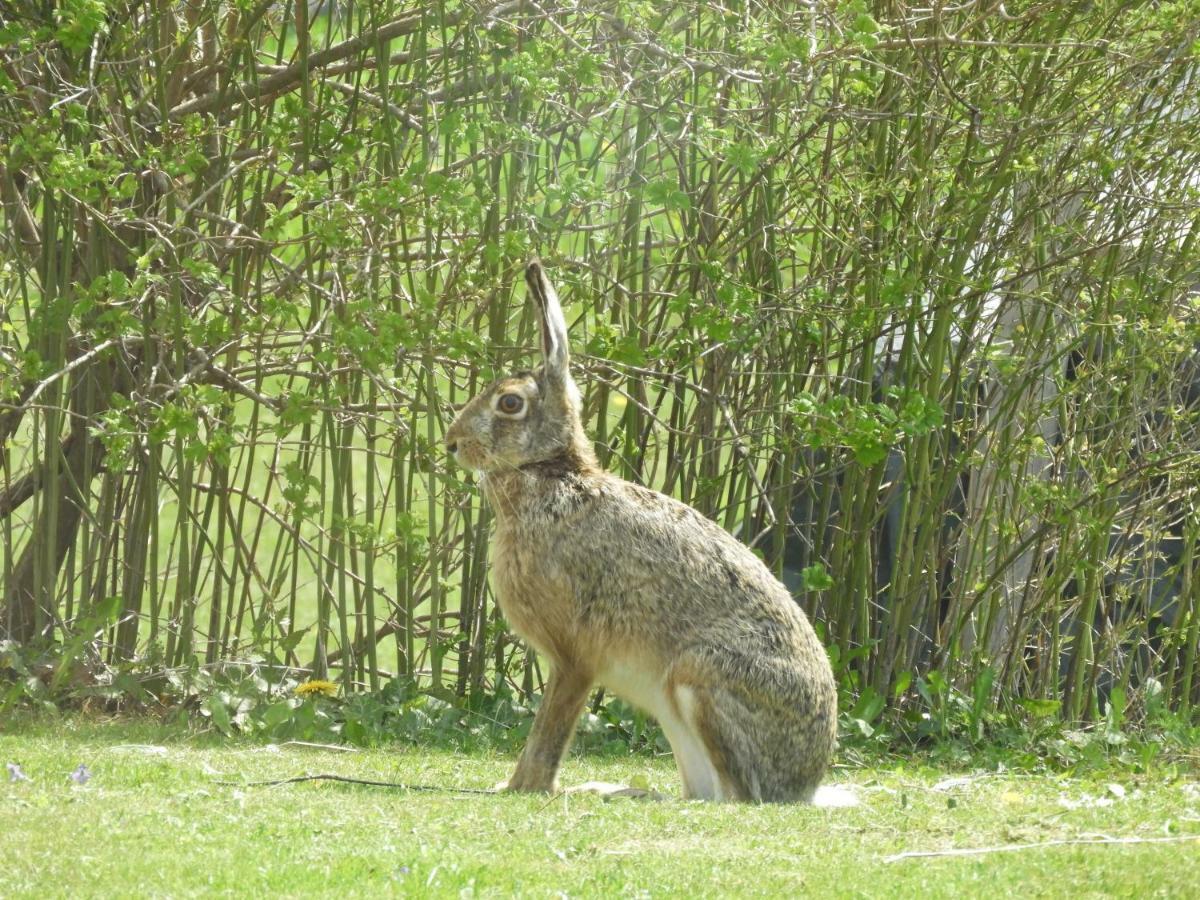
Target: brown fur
(621,585)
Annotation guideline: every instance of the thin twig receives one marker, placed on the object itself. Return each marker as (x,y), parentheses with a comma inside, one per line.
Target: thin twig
(1005,848)
(430,788)
(337,748)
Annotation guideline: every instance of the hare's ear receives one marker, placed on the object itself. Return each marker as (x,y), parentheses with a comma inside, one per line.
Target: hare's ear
(554,324)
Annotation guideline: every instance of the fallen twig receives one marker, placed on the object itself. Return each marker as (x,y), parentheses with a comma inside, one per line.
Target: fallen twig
(337,748)
(346,780)
(974,851)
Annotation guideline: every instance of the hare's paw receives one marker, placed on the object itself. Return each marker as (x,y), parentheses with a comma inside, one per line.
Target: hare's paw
(527,785)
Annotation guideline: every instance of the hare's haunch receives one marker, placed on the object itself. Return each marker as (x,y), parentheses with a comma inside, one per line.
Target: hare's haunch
(619,585)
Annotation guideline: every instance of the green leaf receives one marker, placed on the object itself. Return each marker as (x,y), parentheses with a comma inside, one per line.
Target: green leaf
(219,713)
(1042,709)
(815,578)
(870,452)
(667,194)
(275,714)
(290,642)
(869,707)
(744,158)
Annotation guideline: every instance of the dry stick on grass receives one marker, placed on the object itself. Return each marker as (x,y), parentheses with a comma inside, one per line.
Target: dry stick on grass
(310,745)
(1005,848)
(439,789)
(428,788)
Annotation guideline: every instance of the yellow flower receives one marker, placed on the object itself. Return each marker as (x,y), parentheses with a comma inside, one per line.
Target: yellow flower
(316,686)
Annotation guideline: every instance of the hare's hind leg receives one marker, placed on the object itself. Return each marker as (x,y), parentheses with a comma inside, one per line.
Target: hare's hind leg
(734,741)
(712,742)
(721,754)
(700,768)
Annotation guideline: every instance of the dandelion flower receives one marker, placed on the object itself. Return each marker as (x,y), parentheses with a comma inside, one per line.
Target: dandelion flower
(316,686)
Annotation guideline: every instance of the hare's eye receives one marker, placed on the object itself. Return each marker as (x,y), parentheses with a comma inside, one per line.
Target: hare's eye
(510,404)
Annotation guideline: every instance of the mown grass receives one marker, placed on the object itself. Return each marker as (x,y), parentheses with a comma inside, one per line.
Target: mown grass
(156,821)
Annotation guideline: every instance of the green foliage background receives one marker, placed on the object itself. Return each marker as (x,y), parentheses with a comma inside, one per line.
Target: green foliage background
(828,264)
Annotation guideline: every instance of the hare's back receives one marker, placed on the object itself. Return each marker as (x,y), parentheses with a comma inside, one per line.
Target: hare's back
(652,558)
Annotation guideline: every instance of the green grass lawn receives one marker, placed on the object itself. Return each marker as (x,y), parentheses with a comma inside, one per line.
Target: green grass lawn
(155,821)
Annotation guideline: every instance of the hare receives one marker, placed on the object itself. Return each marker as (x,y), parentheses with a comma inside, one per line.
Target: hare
(622,586)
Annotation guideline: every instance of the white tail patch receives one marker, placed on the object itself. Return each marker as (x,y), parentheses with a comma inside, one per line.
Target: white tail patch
(835,796)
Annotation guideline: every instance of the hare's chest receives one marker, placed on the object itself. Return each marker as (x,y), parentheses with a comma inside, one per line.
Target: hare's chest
(537,602)
(514,571)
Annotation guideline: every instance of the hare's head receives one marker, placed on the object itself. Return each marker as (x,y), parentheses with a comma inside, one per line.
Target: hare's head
(528,417)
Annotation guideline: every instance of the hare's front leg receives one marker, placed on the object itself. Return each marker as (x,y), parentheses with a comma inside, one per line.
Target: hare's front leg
(553,728)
